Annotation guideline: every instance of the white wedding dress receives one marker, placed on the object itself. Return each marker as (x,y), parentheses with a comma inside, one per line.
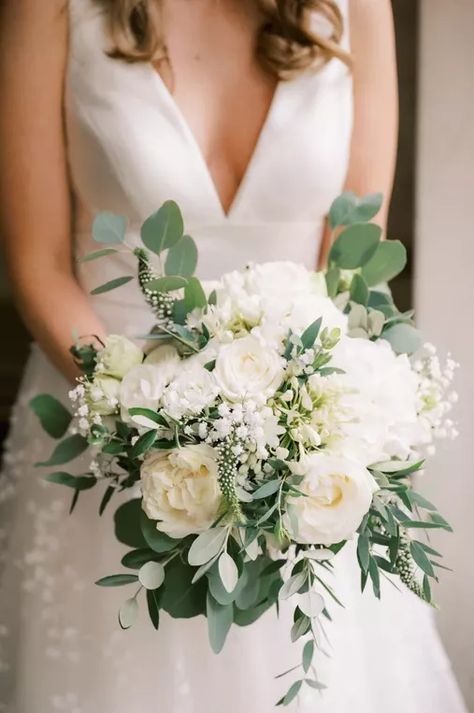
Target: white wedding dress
(61,648)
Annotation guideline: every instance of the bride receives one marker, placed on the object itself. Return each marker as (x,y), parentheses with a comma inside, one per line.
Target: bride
(253,115)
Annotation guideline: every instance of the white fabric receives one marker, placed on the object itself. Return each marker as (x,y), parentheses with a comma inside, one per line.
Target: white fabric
(60,645)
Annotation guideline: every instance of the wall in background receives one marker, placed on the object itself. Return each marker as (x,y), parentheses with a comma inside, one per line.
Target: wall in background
(444,289)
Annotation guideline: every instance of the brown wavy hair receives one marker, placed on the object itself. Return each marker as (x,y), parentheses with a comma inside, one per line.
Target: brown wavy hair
(286,44)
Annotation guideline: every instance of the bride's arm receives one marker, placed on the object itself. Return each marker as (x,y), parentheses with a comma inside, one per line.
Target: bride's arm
(374,138)
(35,210)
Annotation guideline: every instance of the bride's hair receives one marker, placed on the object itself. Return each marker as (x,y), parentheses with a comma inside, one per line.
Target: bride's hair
(286,44)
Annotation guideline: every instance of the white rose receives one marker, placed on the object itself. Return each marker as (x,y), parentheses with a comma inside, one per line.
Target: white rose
(181,489)
(142,387)
(167,358)
(192,391)
(307,308)
(118,356)
(247,368)
(338,495)
(102,395)
(381,393)
(281,281)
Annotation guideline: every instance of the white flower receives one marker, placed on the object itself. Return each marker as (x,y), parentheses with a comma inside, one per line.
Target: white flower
(383,400)
(181,490)
(338,493)
(118,356)
(143,386)
(190,392)
(246,368)
(102,395)
(283,281)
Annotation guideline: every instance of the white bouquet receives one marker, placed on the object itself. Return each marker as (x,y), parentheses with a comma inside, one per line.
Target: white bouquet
(274,415)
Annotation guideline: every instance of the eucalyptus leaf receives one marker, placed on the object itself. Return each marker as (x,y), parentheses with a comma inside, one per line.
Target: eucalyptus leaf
(167,284)
(292,693)
(128,613)
(404,338)
(143,444)
(421,558)
(96,254)
(387,262)
(267,489)
(293,585)
(151,575)
(112,285)
(207,545)
(359,290)
(68,449)
(349,208)
(109,228)
(182,258)
(194,295)
(76,482)
(219,621)
(158,541)
(117,580)
(355,246)
(147,418)
(228,572)
(163,229)
(127,524)
(300,628)
(53,416)
(311,603)
(308,653)
(152,599)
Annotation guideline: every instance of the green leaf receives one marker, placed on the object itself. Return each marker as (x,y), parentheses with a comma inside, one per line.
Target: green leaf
(333,275)
(363,552)
(355,245)
(404,338)
(128,613)
(207,545)
(421,558)
(182,258)
(127,524)
(152,599)
(398,467)
(267,489)
(293,585)
(76,482)
(96,254)
(112,285)
(147,418)
(300,628)
(163,229)
(194,295)
(136,558)
(374,576)
(67,450)
(151,575)
(425,525)
(292,693)
(359,290)
(310,334)
(109,228)
(53,416)
(386,263)
(167,284)
(219,621)
(179,597)
(228,572)
(317,685)
(117,580)
(158,541)
(349,208)
(308,653)
(426,588)
(143,444)
(418,499)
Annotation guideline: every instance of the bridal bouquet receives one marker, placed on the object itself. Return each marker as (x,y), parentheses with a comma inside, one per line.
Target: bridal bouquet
(270,417)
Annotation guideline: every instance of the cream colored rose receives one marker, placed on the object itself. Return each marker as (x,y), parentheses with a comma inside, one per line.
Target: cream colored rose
(167,358)
(338,495)
(102,395)
(118,356)
(181,490)
(246,368)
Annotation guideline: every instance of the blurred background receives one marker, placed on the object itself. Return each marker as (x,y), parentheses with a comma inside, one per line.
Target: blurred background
(431,214)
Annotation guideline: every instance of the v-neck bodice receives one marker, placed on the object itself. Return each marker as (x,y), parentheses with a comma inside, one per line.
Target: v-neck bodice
(130,148)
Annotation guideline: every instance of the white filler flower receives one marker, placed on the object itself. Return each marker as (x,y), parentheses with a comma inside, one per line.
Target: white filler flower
(118,356)
(338,493)
(192,391)
(181,490)
(246,368)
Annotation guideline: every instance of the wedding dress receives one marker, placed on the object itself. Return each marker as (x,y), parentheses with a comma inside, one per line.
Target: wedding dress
(61,648)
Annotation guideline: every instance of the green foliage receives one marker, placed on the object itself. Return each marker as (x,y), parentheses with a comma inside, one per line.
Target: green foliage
(76,482)
(153,602)
(355,246)
(194,295)
(143,444)
(109,228)
(207,545)
(127,524)
(349,208)
(219,621)
(157,541)
(167,284)
(53,416)
(151,575)
(163,229)
(359,290)
(117,580)
(404,338)
(128,613)
(68,449)
(310,334)
(97,254)
(182,258)
(112,285)
(387,262)
(180,598)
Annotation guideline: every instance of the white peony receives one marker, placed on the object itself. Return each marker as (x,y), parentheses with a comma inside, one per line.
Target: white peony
(143,387)
(181,490)
(118,356)
(283,281)
(246,368)
(338,494)
(102,395)
(190,392)
(381,392)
